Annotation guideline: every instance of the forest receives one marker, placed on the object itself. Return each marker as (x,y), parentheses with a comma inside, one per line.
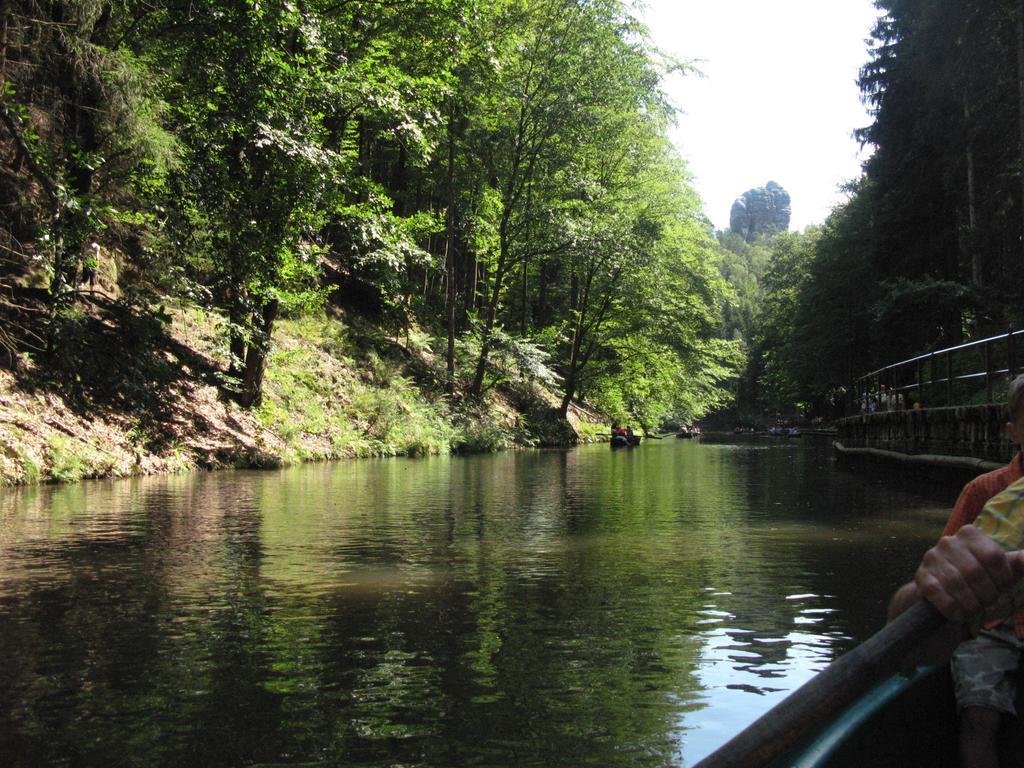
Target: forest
(490,186)
(926,251)
(494,179)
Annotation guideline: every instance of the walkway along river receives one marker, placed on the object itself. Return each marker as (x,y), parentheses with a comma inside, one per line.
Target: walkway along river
(549,608)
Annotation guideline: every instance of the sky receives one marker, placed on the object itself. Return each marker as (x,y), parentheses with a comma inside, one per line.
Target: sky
(778,100)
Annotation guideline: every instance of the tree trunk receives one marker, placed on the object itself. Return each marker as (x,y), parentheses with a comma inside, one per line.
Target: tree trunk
(1020,115)
(492,310)
(525,316)
(972,215)
(570,374)
(256,358)
(362,154)
(83,103)
(3,45)
(543,315)
(238,320)
(471,288)
(450,352)
(481,364)
(400,183)
(485,345)
(577,308)
(588,322)
(574,291)
(449,253)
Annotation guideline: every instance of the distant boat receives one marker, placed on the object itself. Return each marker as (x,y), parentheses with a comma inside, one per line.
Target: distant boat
(625,441)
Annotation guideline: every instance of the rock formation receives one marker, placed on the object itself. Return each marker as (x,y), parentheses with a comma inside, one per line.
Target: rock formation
(760,211)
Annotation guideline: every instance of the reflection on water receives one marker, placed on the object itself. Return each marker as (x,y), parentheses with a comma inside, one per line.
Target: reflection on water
(584,607)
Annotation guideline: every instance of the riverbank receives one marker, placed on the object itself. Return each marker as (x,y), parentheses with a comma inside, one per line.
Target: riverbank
(334,389)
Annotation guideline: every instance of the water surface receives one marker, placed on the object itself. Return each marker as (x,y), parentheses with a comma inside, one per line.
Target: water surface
(539,608)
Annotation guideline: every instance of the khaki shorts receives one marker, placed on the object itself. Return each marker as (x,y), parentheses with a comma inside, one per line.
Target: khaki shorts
(985,667)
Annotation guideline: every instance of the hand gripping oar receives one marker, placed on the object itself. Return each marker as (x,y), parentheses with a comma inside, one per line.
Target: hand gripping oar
(815,703)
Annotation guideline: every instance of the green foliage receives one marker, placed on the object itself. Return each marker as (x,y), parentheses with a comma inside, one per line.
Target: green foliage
(30,467)
(923,309)
(479,433)
(591,432)
(926,250)
(945,182)
(787,276)
(494,179)
(394,419)
(380,245)
(314,397)
(521,360)
(743,266)
(91,146)
(69,461)
(654,355)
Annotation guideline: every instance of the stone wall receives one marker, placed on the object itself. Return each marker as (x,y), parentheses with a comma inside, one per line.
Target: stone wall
(971,432)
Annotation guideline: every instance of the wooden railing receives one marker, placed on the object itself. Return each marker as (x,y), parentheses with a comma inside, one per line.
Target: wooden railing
(968,374)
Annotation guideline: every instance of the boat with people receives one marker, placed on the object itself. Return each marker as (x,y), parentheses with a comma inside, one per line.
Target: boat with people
(623,437)
(688,431)
(907,720)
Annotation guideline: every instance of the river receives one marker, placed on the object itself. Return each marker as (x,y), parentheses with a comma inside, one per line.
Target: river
(600,607)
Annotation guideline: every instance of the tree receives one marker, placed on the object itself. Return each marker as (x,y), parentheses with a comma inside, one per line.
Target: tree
(495,173)
(836,329)
(527,128)
(88,147)
(945,97)
(774,344)
(252,85)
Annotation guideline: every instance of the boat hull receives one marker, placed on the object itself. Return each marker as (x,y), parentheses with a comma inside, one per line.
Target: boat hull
(905,722)
(625,441)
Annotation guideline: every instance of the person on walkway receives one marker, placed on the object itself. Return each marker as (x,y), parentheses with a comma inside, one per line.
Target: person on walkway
(984,667)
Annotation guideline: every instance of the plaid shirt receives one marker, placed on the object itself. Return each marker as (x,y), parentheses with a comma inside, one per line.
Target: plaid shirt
(973,499)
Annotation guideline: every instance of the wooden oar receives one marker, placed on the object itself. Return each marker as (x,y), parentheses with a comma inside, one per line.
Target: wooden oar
(817,701)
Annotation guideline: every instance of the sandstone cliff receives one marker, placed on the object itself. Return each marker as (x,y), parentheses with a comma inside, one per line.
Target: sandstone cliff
(760,211)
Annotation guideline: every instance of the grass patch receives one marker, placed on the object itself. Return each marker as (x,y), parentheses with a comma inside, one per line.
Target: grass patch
(317,403)
(483,437)
(330,392)
(30,468)
(69,460)
(592,432)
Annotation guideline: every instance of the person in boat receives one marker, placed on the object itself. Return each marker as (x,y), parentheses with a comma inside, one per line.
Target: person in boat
(956,575)
(621,435)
